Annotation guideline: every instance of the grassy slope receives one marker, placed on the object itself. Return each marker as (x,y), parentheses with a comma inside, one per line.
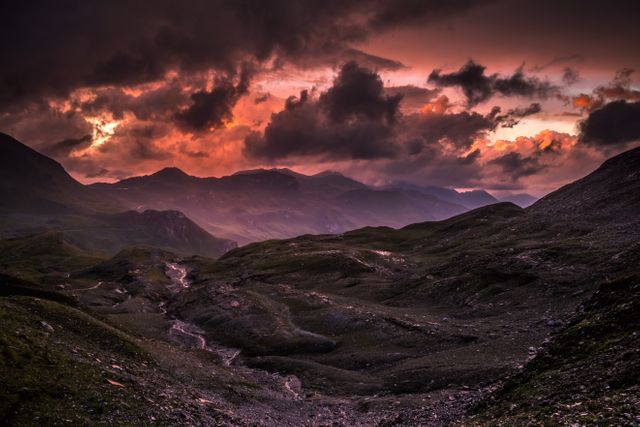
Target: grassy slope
(58,366)
(452,302)
(587,374)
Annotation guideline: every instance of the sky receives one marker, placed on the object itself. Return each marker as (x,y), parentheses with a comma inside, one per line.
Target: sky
(510,96)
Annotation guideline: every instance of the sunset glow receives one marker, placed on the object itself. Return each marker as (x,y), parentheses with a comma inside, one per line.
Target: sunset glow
(475,85)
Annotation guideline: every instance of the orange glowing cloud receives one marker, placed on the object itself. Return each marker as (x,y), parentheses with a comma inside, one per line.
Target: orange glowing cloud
(438,106)
(586,102)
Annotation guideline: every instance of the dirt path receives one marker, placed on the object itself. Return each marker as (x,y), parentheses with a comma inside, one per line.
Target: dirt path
(178,274)
(180,330)
(84,289)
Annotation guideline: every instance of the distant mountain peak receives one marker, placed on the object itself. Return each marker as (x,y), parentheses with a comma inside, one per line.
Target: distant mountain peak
(329,173)
(258,171)
(171,172)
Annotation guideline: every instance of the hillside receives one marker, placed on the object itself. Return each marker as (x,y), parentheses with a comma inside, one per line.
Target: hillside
(453,304)
(32,183)
(611,190)
(586,374)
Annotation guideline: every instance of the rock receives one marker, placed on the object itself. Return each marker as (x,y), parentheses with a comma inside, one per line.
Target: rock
(47,326)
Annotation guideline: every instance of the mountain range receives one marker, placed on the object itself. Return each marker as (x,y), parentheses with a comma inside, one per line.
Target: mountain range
(265,204)
(248,206)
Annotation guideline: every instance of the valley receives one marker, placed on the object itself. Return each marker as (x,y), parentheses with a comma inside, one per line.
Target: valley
(430,324)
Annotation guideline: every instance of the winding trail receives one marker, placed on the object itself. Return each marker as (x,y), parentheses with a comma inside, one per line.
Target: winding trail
(292,379)
(84,289)
(186,333)
(181,330)
(228,360)
(178,274)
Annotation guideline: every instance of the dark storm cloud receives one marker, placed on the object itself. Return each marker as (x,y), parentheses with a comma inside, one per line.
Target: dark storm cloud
(479,87)
(66,146)
(354,119)
(616,123)
(517,166)
(412,96)
(416,12)
(359,93)
(304,129)
(512,117)
(51,48)
(457,129)
(570,76)
(211,109)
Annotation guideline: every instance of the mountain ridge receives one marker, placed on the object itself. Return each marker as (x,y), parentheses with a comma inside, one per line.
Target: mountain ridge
(262,204)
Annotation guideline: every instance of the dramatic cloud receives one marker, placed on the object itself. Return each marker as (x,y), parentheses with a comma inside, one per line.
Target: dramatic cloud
(455,130)
(87,44)
(304,129)
(620,88)
(354,119)
(358,93)
(516,166)
(478,87)
(212,109)
(617,122)
(66,146)
(116,88)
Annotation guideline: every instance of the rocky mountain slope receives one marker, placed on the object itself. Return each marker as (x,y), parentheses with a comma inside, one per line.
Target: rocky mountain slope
(469,199)
(586,374)
(609,195)
(32,183)
(449,304)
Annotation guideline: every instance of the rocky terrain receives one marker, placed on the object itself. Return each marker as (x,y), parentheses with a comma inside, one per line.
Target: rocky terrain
(501,315)
(587,374)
